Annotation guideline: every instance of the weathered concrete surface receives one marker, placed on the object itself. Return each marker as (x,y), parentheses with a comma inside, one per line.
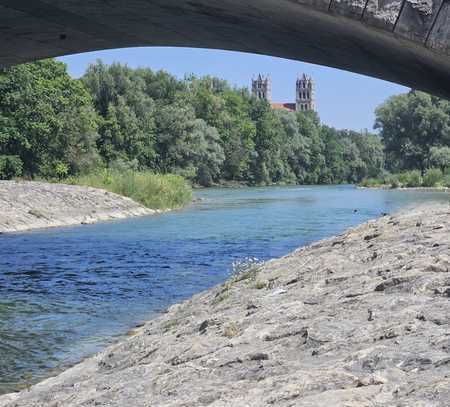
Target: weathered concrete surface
(34,205)
(440,34)
(359,320)
(417,18)
(404,41)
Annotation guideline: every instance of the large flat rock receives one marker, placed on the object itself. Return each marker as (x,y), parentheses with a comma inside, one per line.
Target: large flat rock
(362,319)
(33,205)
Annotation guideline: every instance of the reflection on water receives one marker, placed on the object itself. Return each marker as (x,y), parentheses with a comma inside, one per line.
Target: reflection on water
(66,293)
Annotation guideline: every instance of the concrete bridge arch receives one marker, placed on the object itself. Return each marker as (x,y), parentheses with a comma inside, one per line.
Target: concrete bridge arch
(403,41)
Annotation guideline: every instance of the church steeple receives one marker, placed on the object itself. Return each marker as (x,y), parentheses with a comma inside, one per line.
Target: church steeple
(262,87)
(305,94)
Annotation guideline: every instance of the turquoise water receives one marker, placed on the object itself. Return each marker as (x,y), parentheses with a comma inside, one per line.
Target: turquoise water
(66,293)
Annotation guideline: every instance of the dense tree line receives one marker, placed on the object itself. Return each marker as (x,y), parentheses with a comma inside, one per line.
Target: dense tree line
(415,131)
(202,128)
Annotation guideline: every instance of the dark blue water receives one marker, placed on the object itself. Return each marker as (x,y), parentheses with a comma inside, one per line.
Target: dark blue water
(66,293)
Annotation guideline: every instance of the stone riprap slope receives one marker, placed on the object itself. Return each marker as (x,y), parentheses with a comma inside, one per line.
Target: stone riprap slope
(32,205)
(359,320)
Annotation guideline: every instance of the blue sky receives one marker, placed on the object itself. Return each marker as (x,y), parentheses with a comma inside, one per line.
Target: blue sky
(344,99)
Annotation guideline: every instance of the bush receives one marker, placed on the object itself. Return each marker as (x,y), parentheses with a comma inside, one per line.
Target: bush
(433,177)
(446,180)
(154,191)
(410,178)
(393,181)
(372,182)
(61,170)
(10,166)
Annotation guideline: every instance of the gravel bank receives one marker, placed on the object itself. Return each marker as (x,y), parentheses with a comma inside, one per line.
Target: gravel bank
(33,205)
(358,320)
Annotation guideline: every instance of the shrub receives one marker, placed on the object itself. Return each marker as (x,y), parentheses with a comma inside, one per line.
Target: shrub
(155,191)
(10,166)
(433,177)
(410,178)
(372,182)
(61,170)
(260,285)
(393,181)
(446,180)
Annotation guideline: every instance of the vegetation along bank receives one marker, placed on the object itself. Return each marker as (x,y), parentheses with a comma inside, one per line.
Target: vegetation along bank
(26,205)
(118,118)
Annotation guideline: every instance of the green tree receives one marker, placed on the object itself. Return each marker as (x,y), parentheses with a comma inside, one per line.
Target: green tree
(187,145)
(38,104)
(10,166)
(309,125)
(371,151)
(440,157)
(121,96)
(267,164)
(410,125)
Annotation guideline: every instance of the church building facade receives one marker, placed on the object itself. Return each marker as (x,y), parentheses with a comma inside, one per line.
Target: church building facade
(305,99)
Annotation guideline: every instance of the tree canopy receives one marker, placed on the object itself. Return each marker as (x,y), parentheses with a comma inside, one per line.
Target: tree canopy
(47,120)
(202,128)
(412,126)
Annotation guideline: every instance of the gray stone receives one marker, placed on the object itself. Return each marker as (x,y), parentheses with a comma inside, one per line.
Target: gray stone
(417,18)
(439,38)
(382,13)
(349,8)
(29,205)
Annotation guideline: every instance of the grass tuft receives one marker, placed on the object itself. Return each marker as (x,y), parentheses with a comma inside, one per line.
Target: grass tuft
(231,330)
(260,285)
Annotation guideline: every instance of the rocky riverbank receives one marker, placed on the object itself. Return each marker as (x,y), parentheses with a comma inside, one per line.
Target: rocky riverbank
(416,189)
(358,320)
(33,205)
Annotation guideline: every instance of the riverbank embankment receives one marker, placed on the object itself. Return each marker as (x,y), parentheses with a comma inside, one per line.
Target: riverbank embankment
(357,320)
(27,205)
(414,189)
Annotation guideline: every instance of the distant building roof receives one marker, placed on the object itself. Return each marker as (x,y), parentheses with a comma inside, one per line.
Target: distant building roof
(286,106)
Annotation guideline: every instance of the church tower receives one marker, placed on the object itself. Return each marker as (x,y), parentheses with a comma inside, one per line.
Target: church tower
(262,87)
(305,95)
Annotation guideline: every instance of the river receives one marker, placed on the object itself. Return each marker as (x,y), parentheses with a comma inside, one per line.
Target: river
(66,293)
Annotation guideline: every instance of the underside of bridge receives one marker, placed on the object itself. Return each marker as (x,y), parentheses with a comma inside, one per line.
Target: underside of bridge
(403,41)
